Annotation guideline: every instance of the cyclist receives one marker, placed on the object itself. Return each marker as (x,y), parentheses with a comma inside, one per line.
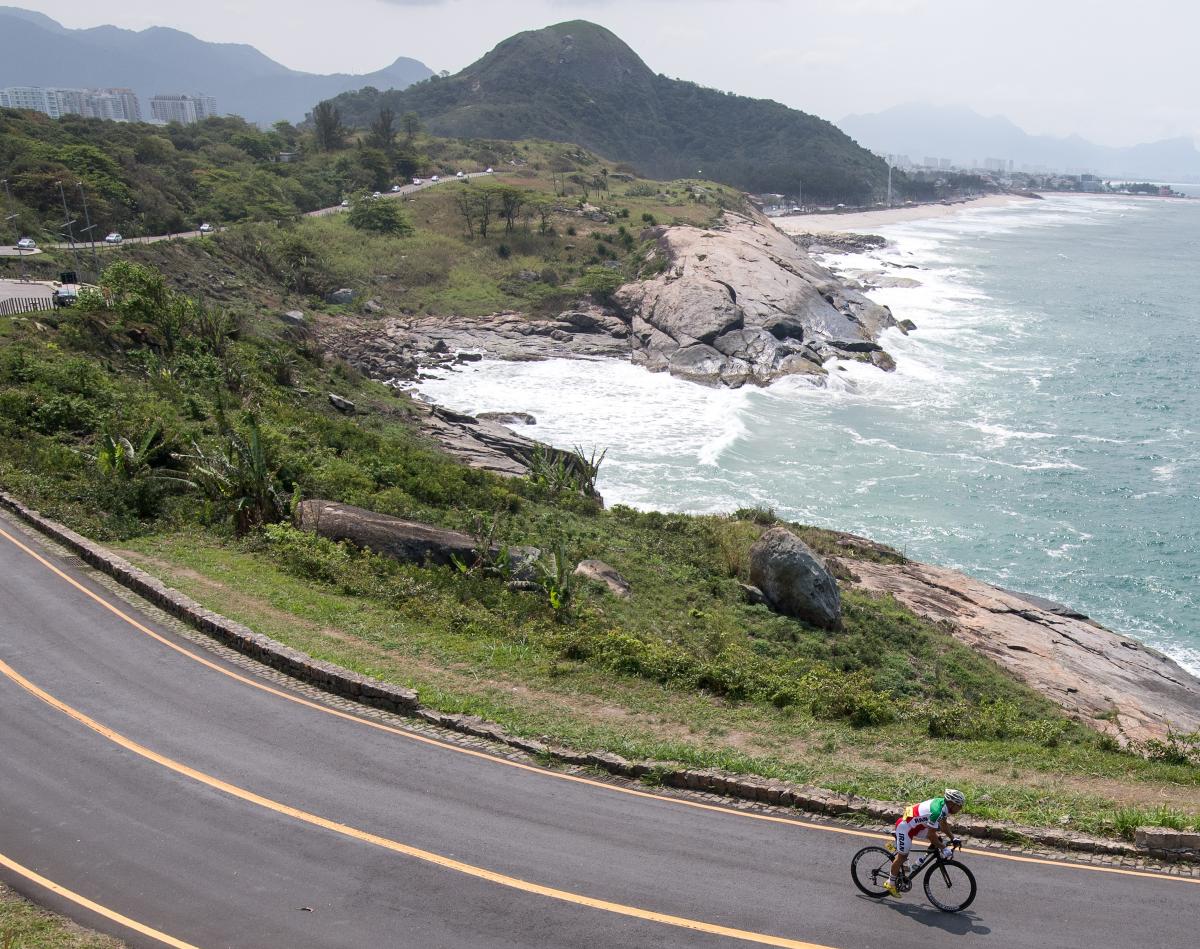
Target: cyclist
(924,819)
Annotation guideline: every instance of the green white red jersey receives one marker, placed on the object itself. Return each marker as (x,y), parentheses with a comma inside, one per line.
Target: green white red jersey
(927,814)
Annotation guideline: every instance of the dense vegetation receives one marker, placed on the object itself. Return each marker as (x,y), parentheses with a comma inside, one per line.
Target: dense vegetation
(577,82)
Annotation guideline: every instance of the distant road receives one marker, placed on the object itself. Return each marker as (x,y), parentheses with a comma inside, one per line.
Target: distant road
(188,235)
(17,289)
(208,806)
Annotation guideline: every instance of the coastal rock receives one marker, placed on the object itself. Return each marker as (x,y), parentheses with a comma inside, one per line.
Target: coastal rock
(294,318)
(743,277)
(601,572)
(1111,682)
(794,579)
(507,418)
(342,404)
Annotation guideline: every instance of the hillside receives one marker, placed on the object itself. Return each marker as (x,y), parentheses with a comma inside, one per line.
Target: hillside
(37,51)
(962,134)
(578,82)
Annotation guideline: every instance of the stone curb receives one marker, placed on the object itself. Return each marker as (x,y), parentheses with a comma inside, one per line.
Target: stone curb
(338,681)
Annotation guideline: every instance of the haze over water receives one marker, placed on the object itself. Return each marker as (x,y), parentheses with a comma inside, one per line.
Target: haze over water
(1041,432)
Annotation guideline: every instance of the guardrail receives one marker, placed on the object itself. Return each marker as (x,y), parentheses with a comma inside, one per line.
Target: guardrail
(14,306)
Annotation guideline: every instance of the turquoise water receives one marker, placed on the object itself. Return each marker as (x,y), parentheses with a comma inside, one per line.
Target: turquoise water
(1042,430)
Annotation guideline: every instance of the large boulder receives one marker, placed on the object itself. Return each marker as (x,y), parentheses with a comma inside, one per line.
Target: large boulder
(407,541)
(794,579)
(601,572)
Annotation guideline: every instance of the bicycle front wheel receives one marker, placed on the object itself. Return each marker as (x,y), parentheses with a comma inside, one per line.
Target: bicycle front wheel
(950,886)
(870,868)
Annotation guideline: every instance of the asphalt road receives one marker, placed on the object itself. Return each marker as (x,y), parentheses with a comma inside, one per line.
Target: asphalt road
(9,251)
(210,808)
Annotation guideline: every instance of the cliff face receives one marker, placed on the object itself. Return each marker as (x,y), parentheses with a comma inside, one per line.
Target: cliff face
(740,302)
(1112,683)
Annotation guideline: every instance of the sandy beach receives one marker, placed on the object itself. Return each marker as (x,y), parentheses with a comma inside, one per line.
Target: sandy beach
(865,220)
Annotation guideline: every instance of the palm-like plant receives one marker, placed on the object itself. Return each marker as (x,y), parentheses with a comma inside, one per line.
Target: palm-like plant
(239,474)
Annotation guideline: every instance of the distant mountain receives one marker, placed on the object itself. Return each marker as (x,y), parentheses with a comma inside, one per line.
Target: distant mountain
(37,51)
(577,82)
(959,133)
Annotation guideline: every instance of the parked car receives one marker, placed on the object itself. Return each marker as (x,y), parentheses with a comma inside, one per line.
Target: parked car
(113,238)
(345,203)
(206,228)
(488,172)
(416,181)
(27,243)
(435,178)
(376,194)
(460,175)
(395,188)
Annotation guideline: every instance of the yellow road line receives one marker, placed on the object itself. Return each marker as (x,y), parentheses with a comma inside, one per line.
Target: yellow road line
(396,846)
(93,906)
(544,772)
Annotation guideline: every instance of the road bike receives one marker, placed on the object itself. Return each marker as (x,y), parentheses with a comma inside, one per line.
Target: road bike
(949,885)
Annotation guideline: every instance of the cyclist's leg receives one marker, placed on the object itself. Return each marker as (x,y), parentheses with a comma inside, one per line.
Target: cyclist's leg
(903,845)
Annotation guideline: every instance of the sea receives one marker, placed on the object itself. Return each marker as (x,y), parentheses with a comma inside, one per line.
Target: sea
(1041,430)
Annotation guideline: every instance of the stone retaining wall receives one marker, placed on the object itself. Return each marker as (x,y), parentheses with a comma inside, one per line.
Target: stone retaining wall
(360,688)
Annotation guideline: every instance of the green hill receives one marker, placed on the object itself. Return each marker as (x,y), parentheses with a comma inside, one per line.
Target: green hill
(578,82)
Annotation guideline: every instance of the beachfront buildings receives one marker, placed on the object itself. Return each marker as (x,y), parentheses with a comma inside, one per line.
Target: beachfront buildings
(117,105)
(184,109)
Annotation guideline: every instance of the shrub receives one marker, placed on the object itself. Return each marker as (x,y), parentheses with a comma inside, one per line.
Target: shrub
(379,216)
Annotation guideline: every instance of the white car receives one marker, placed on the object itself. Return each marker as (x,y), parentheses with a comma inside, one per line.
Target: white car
(27,243)
(113,238)
(206,228)
(460,175)
(435,178)
(376,195)
(416,181)
(395,188)
(488,171)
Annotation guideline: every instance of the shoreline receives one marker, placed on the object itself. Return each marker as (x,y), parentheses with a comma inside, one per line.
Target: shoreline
(865,220)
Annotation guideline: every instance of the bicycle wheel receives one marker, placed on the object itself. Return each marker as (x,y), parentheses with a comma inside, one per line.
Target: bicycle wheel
(870,868)
(950,886)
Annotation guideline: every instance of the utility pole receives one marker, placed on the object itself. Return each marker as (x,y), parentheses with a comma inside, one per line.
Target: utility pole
(68,224)
(12,217)
(87,217)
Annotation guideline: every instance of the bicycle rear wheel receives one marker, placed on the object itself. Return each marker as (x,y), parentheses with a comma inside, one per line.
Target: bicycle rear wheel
(870,868)
(950,886)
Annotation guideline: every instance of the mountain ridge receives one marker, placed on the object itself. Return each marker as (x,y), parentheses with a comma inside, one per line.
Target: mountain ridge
(578,82)
(35,50)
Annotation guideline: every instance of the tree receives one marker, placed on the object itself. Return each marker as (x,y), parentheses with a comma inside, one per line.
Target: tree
(327,123)
(412,125)
(379,215)
(383,131)
(476,205)
(511,201)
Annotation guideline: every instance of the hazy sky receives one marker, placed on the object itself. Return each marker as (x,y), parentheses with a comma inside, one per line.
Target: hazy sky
(1117,73)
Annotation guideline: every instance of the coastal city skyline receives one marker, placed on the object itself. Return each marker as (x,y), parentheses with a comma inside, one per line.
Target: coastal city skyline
(863,56)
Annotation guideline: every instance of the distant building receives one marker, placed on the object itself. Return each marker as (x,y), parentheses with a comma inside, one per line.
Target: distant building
(183,109)
(33,98)
(116,105)
(945,164)
(996,164)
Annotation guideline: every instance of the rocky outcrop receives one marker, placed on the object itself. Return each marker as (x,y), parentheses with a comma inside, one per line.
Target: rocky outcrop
(741,302)
(399,349)
(794,580)
(1111,682)
(406,541)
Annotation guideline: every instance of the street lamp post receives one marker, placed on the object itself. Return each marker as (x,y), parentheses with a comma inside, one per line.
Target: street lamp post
(87,217)
(68,224)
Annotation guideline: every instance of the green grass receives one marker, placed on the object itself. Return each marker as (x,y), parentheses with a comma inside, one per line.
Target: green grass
(25,926)
(494,665)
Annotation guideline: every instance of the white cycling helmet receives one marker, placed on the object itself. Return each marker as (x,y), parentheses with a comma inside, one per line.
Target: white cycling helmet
(951,796)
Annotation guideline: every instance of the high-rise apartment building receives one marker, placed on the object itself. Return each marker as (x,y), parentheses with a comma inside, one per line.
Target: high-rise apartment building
(183,108)
(117,105)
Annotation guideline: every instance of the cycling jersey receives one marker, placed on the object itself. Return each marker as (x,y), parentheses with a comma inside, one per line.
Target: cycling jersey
(917,820)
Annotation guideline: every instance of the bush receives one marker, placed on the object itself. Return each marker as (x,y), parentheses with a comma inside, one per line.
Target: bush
(379,216)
